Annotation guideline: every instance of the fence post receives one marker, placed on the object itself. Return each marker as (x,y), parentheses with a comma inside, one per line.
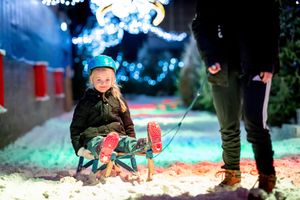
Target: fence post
(40,81)
(2,54)
(58,76)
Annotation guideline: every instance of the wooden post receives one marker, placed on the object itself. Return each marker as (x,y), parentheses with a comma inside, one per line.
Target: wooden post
(150,169)
(149,156)
(109,167)
(68,89)
(298,116)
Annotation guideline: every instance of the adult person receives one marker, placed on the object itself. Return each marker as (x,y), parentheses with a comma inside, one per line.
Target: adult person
(238,41)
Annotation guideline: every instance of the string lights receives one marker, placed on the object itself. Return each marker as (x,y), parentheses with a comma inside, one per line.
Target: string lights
(116,16)
(64,2)
(113,18)
(134,71)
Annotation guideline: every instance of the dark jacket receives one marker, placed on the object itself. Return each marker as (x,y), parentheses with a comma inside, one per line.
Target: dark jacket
(96,114)
(238,33)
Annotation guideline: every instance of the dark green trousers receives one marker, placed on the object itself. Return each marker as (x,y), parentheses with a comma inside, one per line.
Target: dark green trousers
(245,97)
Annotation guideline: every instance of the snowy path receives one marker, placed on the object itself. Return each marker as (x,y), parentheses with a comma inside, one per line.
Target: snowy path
(43,160)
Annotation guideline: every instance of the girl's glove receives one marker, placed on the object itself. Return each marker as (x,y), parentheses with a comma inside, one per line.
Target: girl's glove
(141,143)
(85,153)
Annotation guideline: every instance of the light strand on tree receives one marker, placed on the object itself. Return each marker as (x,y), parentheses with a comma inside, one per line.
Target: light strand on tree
(134,71)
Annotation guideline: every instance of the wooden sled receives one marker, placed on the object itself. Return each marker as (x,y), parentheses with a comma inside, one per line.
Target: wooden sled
(116,160)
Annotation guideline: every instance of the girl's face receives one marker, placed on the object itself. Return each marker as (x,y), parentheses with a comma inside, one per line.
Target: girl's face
(102,79)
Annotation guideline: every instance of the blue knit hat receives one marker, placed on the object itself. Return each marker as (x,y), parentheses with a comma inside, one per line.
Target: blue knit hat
(101,61)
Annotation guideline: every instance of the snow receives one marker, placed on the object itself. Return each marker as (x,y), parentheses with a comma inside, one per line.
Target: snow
(42,163)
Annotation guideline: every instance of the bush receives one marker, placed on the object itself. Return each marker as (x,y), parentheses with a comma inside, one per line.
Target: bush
(285,92)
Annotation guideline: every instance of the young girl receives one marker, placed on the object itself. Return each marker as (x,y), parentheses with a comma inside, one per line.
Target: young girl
(101,121)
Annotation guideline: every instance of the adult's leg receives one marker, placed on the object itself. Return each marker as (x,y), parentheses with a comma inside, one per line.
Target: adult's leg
(227,103)
(256,97)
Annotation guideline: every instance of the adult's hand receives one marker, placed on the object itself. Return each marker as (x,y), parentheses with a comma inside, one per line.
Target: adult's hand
(214,68)
(266,76)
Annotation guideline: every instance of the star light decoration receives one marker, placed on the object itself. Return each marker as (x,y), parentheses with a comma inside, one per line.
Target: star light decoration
(116,16)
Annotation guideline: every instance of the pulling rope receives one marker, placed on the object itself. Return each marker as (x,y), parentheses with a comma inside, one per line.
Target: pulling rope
(177,127)
(185,114)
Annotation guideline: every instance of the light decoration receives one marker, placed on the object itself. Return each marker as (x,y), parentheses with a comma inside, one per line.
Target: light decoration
(116,16)
(133,71)
(64,26)
(96,40)
(64,2)
(135,12)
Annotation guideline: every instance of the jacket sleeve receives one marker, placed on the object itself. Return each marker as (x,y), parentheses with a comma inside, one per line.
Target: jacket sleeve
(207,30)
(78,125)
(127,121)
(265,42)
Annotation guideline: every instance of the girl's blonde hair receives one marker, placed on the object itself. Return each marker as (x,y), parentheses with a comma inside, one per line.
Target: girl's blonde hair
(115,89)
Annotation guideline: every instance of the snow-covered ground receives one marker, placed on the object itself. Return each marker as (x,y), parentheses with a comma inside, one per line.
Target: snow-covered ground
(42,164)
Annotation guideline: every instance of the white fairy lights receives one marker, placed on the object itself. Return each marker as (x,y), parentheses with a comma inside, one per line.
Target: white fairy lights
(116,16)
(65,2)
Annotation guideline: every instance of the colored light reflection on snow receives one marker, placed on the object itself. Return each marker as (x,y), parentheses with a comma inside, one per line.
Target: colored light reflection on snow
(197,140)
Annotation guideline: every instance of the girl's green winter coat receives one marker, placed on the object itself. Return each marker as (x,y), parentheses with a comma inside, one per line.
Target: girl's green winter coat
(98,114)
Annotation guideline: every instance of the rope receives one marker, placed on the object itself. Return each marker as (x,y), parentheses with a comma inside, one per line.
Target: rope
(177,127)
(185,114)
